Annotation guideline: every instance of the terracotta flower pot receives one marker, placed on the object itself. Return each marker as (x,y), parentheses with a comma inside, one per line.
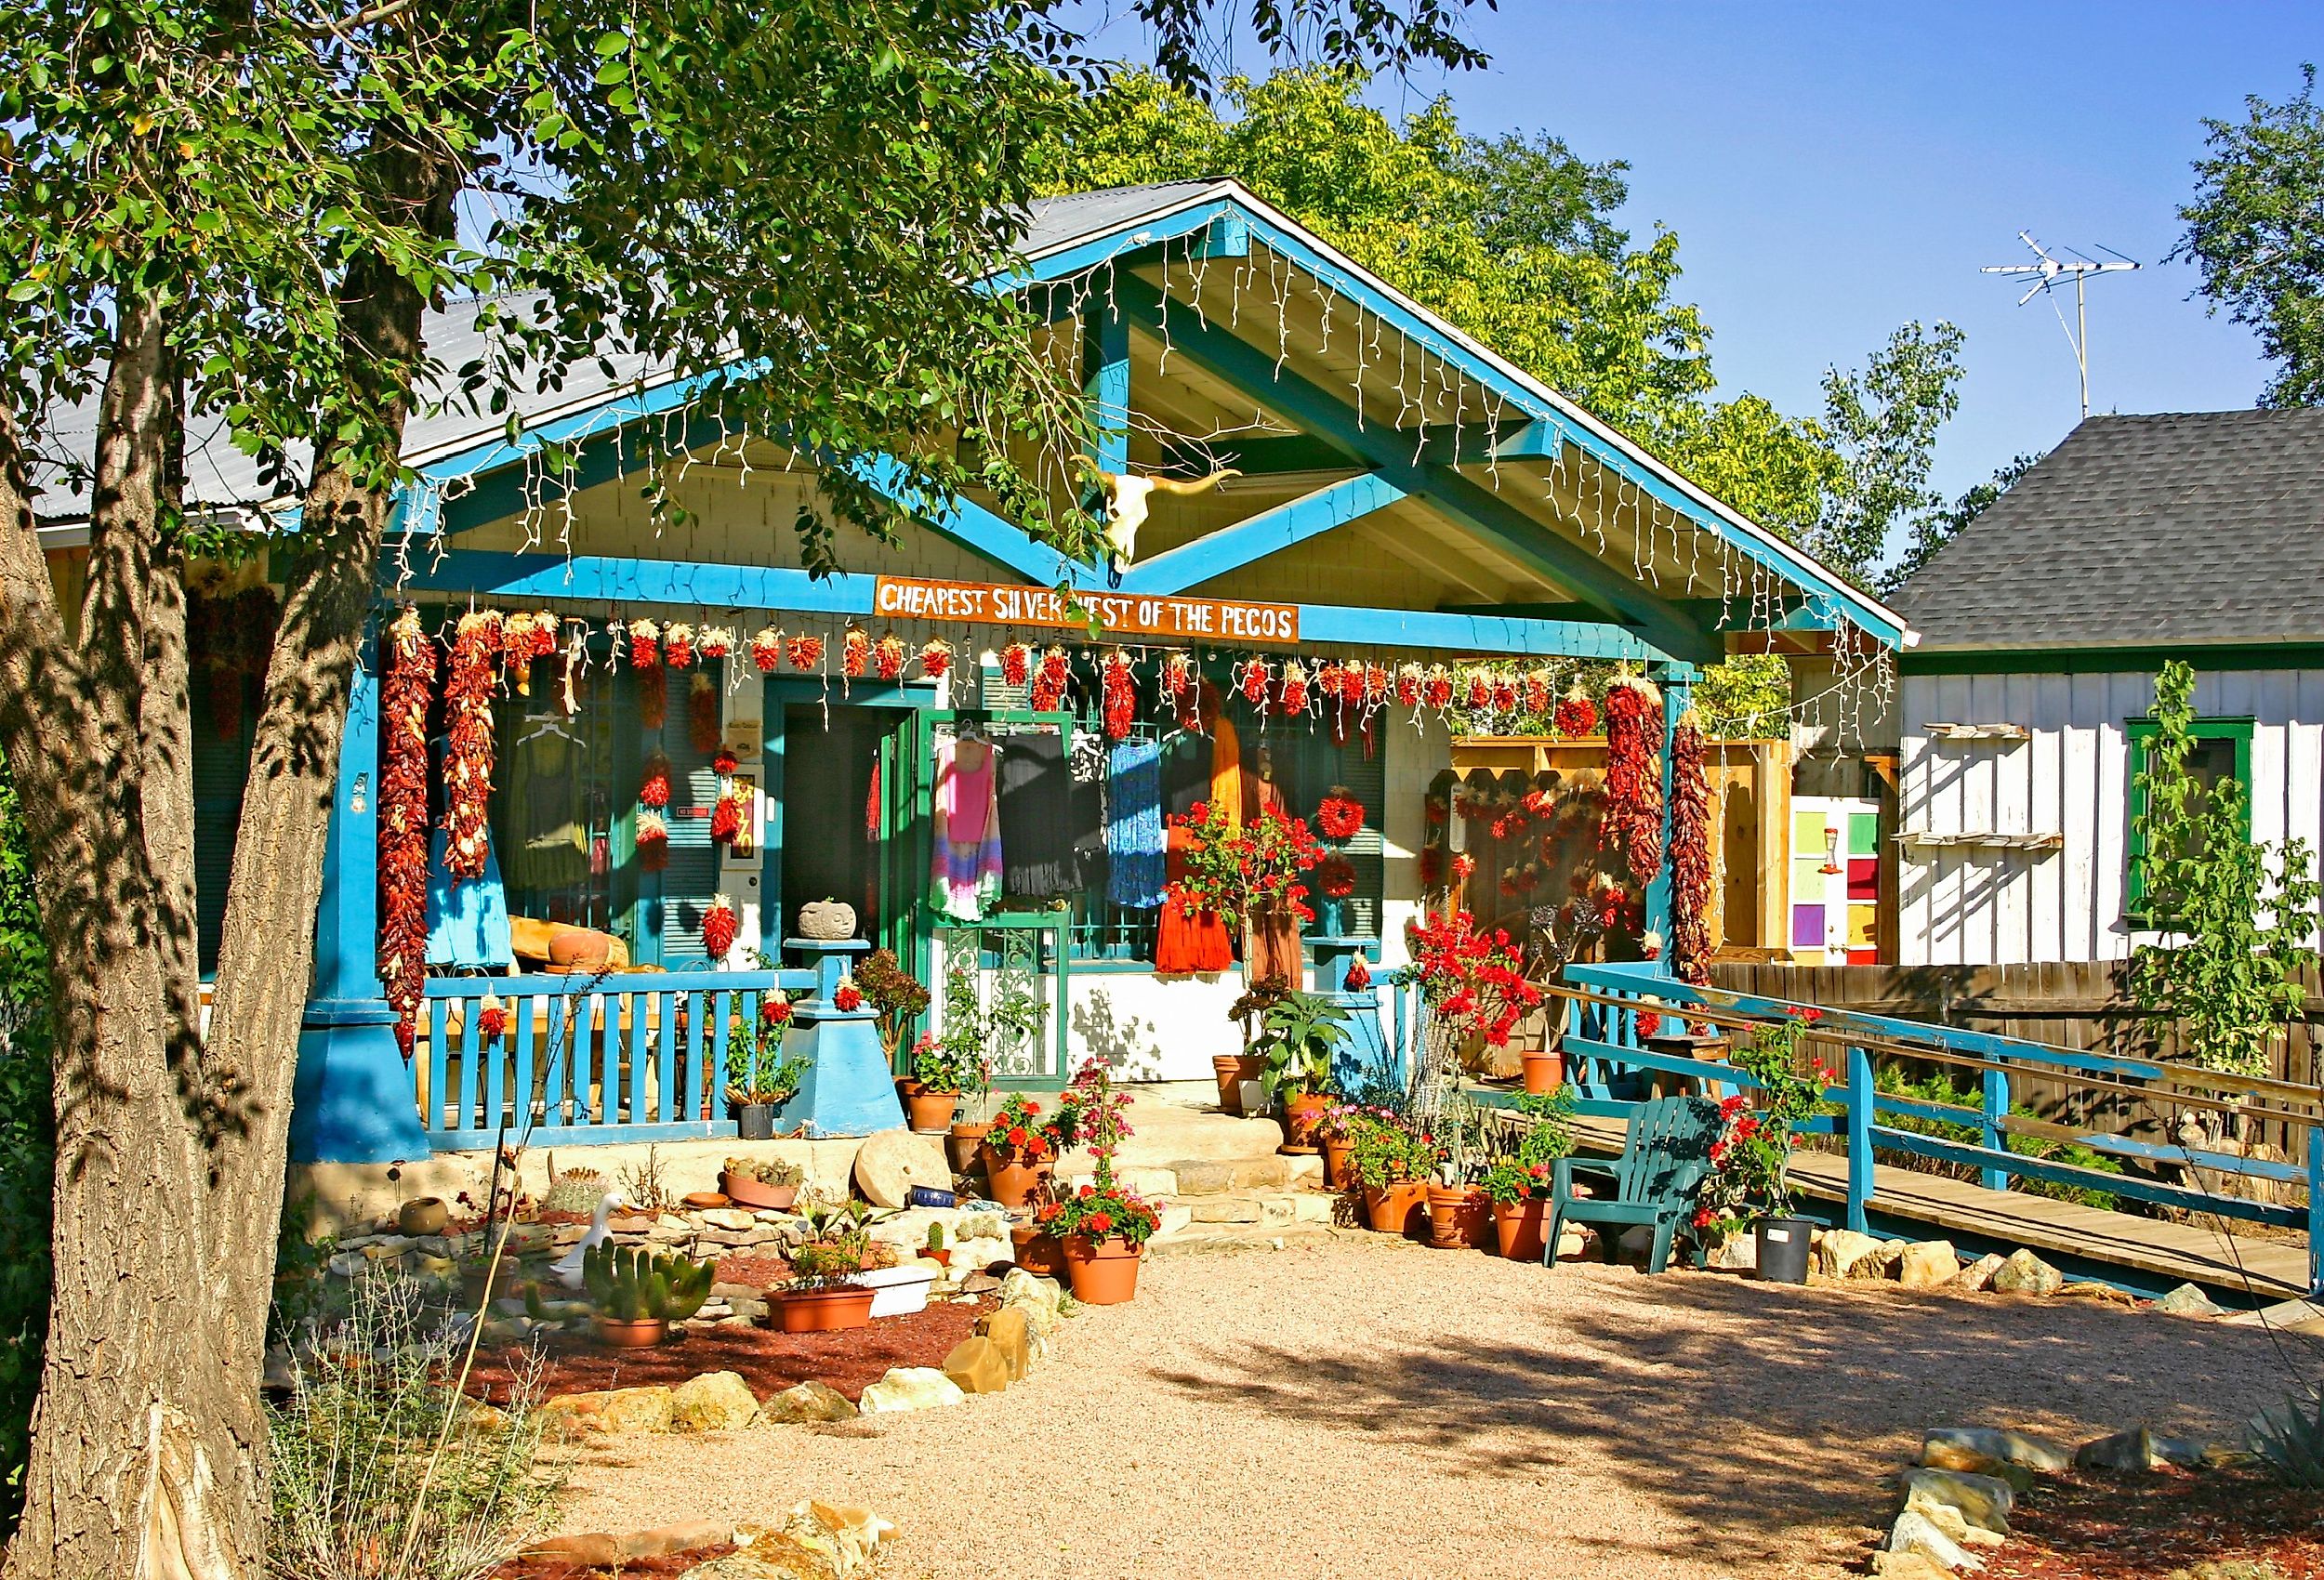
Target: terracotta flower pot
(1338,1167)
(746,1191)
(422,1216)
(1518,1225)
(1232,1070)
(961,1141)
(931,1112)
(1301,1112)
(1544,1071)
(823,1310)
(1397,1208)
(941,1255)
(643,1333)
(1009,1181)
(1104,1272)
(1458,1216)
(1041,1255)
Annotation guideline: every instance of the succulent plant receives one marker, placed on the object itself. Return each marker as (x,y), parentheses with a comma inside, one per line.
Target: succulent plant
(630,1283)
(574,1191)
(773,1172)
(936,1236)
(2291,1438)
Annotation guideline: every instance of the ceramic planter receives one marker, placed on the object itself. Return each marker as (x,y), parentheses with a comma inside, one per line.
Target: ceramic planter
(1011,1181)
(961,1141)
(1458,1217)
(931,1112)
(746,1191)
(1231,1072)
(1544,1073)
(1518,1225)
(1301,1112)
(897,1292)
(1038,1254)
(754,1120)
(1104,1272)
(823,1310)
(643,1333)
(1339,1164)
(422,1216)
(1783,1249)
(1397,1207)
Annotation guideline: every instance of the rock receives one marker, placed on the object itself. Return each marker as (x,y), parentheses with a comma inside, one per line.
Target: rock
(594,1549)
(2090,1289)
(1983,1501)
(2189,1301)
(1839,1253)
(817,1542)
(2021,1272)
(348,1264)
(979,1284)
(809,1401)
(1945,1517)
(1927,1263)
(1011,1335)
(617,1411)
(1175,1218)
(1977,1277)
(977,1365)
(1737,1253)
(891,1162)
(1886,1260)
(738,1220)
(969,1258)
(1041,1300)
(1909,1566)
(910,1388)
(2189,1454)
(665,1539)
(1916,1532)
(715,1402)
(1227,1209)
(2131,1450)
(1997,1445)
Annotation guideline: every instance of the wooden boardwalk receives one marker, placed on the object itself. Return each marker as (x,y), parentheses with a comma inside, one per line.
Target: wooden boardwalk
(2158,1250)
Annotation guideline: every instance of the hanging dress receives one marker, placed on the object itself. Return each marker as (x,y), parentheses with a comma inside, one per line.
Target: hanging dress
(1133,825)
(1188,941)
(967,853)
(1037,826)
(1271,940)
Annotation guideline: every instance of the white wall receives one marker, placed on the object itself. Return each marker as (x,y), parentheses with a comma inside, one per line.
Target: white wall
(1989,906)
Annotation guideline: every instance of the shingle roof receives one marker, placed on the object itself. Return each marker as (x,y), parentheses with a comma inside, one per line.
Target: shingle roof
(2191,526)
(1056,221)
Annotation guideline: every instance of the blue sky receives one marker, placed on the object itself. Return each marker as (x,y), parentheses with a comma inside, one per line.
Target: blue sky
(1834,170)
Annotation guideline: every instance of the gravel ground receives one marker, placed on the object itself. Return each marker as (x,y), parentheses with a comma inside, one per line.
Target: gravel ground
(1359,1406)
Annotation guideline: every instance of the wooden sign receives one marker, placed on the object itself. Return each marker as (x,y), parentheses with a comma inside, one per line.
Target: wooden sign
(1117,615)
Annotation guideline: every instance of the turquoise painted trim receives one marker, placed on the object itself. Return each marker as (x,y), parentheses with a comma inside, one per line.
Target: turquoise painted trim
(1258,374)
(1270,532)
(1677,683)
(1095,252)
(604,417)
(2113,660)
(973,527)
(1105,381)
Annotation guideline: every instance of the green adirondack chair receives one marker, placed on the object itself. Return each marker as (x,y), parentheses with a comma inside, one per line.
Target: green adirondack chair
(1663,1161)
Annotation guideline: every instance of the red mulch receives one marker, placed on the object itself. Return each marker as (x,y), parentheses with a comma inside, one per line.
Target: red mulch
(2093,1526)
(768,1362)
(669,1563)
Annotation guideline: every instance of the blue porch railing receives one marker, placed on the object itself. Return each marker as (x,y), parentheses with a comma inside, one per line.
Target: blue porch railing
(624,1057)
(1609,1064)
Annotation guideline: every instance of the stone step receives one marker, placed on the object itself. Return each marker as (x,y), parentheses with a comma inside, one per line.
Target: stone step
(1200,1216)
(1207,1177)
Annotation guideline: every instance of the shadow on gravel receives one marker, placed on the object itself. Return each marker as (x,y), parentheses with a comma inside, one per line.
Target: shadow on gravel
(1744,1407)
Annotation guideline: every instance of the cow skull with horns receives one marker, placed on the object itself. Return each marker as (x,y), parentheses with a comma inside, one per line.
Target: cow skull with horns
(1129,497)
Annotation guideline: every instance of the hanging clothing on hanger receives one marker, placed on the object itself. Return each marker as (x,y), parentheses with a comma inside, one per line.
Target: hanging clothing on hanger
(1187,941)
(547,812)
(1036,824)
(1134,843)
(968,840)
(1226,771)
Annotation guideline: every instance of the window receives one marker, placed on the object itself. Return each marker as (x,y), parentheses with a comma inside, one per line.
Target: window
(2222,749)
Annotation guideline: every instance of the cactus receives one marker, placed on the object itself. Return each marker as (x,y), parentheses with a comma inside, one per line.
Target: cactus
(936,1236)
(574,1191)
(628,1283)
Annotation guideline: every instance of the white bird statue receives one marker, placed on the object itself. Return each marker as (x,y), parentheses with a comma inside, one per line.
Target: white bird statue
(568,1267)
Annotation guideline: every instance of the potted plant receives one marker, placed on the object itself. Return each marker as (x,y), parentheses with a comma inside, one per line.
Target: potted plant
(1752,1160)
(934,1248)
(759,1079)
(1301,1033)
(825,1291)
(1519,1182)
(1103,1226)
(770,1183)
(1393,1165)
(966,1042)
(896,997)
(1336,1134)
(1472,981)
(1544,1071)
(1249,1013)
(1019,1142)
(935,1095)
(636,1294)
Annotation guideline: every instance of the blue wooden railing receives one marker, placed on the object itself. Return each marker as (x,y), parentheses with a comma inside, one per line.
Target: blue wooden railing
(620,1057)
(1609,1063)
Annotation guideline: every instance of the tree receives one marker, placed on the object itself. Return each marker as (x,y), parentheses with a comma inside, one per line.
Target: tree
(1883,424)
(2256,231)
(234,216)
(1932,533)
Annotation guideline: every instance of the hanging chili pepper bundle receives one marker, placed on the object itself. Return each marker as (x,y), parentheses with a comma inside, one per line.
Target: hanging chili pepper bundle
(1016,664)
(524,637)
(1633,784)
(766,651)
(653,699)
(492,1018)
(804,652)
(854,653)
(1330,681)
(1411,683)
(1178,676)
(1377,680)
(1504,693)
(725,762)
(1120,695)
(716,641)
(718,929)
(1432,866)
(1577,716)
(1338,816)
(652,841)
(726,818)
(653,787)
(645,644)
(1540,694)
(888,657)
(1359,977)
(1294,689)
(468,746)
(1690,854)
(1256,679)
(1477,690)
(1436,689)
(1048,680)
(678,647)
(702,714)
(935,658)
(403,692)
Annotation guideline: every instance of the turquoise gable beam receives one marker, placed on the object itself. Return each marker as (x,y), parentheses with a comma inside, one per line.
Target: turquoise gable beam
(1105,381)
(606,579)
(973,527)
(1386,453)
(1198,219)
(1230,548)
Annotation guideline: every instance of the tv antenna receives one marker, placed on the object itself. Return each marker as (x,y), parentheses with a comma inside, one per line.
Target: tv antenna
(2050,271)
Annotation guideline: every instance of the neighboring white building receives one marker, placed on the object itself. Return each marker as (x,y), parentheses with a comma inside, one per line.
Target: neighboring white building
(2198,537)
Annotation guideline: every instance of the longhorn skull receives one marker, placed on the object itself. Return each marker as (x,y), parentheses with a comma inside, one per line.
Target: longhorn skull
(1127,499)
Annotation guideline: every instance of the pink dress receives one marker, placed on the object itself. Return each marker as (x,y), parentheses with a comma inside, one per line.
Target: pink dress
(967,859)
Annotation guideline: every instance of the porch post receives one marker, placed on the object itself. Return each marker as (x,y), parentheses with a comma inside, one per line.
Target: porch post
(1677,683)
(352,1101)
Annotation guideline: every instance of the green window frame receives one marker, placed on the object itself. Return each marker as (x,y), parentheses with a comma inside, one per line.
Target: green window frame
(2139,733)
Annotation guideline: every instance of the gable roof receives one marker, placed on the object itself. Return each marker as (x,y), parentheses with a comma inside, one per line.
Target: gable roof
(2140,530)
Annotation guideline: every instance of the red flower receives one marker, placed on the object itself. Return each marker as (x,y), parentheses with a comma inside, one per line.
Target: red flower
(1017,1136)
(1101,1222)
(848,998)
